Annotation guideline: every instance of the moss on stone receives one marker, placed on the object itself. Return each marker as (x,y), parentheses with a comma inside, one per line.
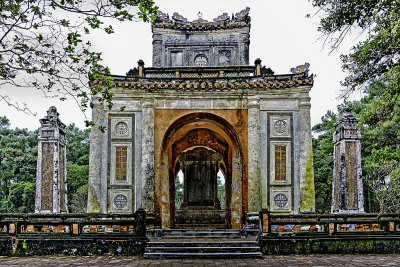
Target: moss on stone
(93,203)
(307,193)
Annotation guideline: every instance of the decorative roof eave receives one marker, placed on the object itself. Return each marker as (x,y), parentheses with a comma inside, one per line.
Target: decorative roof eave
(200,26)
(178,22)
(260,83)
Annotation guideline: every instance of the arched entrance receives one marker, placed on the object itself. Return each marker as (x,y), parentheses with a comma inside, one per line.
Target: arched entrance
(200,145)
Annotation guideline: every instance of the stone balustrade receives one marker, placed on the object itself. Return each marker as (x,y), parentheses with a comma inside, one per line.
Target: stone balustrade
(72,234)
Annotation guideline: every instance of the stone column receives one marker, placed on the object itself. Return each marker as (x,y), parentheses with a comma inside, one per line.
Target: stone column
(307,191)
(148,156)
(51,173)
(254,171)
(157,50)
(347,186)
(97,188)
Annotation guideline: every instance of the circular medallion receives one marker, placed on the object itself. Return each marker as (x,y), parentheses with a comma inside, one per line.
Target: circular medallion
(280,126)
(121,128)
(281,200)
(200,60)
(120,201)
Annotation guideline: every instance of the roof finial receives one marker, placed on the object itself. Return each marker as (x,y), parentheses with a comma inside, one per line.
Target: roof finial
(200,15)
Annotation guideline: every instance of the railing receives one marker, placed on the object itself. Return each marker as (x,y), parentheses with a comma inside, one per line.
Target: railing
(26,225)
(328,224)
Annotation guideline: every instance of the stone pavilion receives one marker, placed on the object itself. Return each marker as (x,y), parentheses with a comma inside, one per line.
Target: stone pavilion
(200,110)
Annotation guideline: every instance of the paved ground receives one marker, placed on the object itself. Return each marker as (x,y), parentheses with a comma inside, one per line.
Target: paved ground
(314,260)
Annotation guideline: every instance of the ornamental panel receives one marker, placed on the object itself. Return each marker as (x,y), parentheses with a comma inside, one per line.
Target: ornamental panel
(120,200)
(280,162)
(280,126)
(281,199)
(121,128)
(121,164)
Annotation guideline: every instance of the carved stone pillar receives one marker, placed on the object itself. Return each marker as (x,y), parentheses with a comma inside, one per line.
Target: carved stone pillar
(148,156)
(97,184)
(347,186)
(307,191)
(254,172)
(51,174)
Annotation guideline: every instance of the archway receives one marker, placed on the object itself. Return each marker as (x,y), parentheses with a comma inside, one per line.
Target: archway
(201,145)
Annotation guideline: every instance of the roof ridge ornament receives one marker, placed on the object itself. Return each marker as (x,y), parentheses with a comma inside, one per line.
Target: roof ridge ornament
(300,68)
(162,16)
(242,14)
(222,17)
(200,19)
(178,17)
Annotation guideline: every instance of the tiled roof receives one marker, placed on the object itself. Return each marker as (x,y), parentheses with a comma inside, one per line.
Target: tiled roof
(200,26)
(259,83)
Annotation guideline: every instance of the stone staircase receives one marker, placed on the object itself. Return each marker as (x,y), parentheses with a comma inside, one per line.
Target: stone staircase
(202,243)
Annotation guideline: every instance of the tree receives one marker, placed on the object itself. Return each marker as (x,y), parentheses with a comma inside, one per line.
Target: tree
(377,56)
(77,145)
(18,154)
(323,161)
(42,45)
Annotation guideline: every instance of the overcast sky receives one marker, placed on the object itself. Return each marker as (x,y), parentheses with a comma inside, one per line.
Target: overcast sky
(281,36)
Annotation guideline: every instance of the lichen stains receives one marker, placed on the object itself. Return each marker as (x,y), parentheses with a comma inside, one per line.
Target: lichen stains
(93,202)
(307,193)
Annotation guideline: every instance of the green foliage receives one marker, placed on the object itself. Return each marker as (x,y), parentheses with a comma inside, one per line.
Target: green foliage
(374,57)
(77,145)
(77,176)
(78,201)
(21,198)
(323,161)
(46,43)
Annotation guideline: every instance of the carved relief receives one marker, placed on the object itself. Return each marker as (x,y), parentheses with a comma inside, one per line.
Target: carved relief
(62,179)
(224,58)
(121,128)
(280,199)
(351,175)
(200,60)
(337,177)
(120,200)
(280,126)
(236,190)
(47,176)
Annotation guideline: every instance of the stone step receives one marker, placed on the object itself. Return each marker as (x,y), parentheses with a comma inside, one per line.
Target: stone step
(201,249)
(200,226)
(201,243)
(195,248)
(218,255)
(202,233)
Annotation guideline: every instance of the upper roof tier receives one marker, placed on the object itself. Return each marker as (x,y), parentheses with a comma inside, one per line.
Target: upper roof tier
(178,22)
(178,42)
